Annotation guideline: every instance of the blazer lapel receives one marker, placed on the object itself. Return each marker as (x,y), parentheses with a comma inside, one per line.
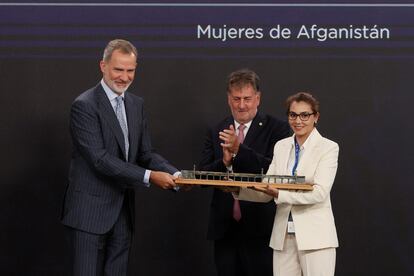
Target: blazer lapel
(310,154)
(282,157)
(108,113)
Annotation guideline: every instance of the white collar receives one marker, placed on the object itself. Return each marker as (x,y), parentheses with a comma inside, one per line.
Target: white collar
(237,124)
(108,91)
(308,140)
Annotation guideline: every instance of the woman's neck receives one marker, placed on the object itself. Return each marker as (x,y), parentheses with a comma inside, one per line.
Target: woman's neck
(302,138)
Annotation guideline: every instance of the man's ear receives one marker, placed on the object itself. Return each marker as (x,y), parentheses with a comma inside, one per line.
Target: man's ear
(102,65)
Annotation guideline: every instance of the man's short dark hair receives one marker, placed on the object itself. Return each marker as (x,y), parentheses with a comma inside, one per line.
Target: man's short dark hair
(240,78)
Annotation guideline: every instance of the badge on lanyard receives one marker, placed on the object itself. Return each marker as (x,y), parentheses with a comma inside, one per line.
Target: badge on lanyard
(291,227)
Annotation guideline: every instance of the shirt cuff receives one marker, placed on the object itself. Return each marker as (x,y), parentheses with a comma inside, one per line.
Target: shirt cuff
(147,178)
(177,174)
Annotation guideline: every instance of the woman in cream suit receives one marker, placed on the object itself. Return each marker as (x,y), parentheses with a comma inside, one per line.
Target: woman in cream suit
(304,234)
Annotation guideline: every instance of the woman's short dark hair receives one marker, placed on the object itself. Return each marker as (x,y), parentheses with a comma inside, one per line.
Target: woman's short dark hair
(303,97)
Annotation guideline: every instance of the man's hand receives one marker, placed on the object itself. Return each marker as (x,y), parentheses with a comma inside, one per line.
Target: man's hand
(162,179)
(227,157)
(230,141)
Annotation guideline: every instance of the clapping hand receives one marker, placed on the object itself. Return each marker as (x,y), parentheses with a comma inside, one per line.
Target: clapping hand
(229,138)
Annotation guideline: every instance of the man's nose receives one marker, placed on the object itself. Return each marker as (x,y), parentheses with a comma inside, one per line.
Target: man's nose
(242,104)
(124,76)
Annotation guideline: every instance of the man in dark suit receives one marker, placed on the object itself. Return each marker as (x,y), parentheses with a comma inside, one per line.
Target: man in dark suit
(242,143)
(112,155)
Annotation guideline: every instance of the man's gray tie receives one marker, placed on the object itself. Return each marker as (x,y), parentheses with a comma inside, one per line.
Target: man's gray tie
(120,114)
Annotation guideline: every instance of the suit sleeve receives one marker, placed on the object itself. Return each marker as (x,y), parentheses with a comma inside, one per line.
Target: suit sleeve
(256,196)
(87,136)
(323,180)
(252,195)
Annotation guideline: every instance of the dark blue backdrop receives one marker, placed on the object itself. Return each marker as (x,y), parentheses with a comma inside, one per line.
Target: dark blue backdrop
(49,54)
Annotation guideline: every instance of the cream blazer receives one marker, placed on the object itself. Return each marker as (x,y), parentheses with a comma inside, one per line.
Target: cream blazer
(311,210)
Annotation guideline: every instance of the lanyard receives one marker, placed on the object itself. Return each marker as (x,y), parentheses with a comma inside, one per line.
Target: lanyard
(291,228)
(297,150)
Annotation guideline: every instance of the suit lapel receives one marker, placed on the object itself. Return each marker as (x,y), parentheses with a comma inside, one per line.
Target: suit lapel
(108,113)
(229,121)
(132,115)
(258,124)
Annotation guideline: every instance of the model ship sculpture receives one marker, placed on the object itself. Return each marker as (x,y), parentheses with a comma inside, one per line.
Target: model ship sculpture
(286,182)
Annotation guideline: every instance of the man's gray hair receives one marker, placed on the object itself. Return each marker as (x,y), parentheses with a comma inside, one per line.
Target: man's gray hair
(122,45)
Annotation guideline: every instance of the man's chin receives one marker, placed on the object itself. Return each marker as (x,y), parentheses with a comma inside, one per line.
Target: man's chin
(120,90)
(242,119)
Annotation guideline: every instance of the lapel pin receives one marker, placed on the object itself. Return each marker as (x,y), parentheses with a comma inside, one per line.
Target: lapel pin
(260,124)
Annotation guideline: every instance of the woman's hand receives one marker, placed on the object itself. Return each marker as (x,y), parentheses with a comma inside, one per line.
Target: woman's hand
(267,190)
